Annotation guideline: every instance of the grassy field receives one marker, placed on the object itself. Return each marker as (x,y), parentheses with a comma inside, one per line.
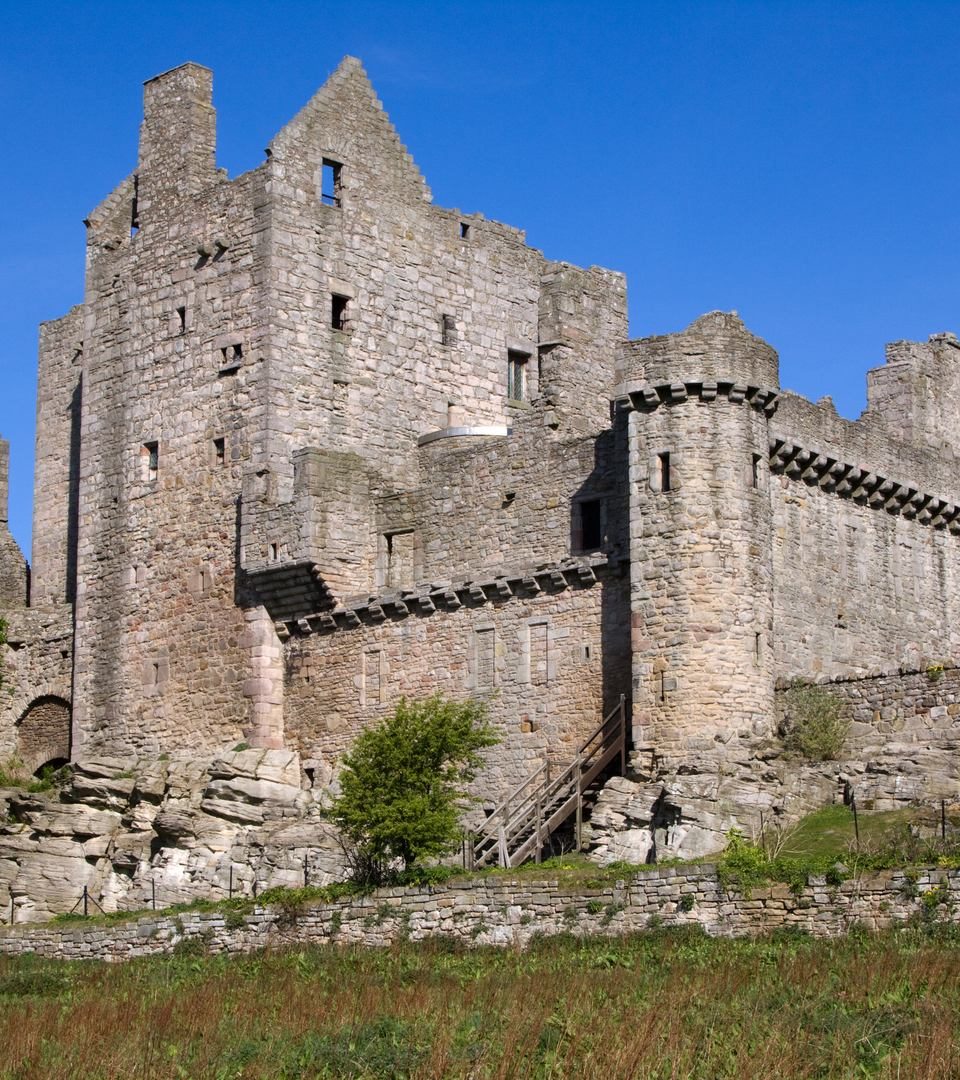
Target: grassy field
(663,1004)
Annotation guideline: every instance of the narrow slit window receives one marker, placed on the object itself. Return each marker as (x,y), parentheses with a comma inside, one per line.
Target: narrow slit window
(756,649)
(220,451)
(755,471)
(182,319)
(517,375)
(464,230)
(448,330)
(274,552)
(338,311)
(331,183)
(135,209)
(663,460)
(150,460)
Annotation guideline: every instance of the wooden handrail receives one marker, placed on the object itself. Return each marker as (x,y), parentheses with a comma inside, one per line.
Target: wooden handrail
(528,815)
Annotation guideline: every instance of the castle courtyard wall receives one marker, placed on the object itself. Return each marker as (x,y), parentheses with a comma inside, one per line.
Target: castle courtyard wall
(547,665)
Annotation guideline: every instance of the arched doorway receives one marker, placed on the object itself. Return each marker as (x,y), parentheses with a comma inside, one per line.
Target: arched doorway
(43,734)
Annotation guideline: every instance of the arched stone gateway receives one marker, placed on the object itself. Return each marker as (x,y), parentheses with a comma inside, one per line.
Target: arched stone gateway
(43,733)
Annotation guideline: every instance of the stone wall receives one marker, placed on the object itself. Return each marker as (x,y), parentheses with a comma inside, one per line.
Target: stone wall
(37,665)
(56,479)
(549,658)
(167,421)
(511,913)
(866,570)
(904,734)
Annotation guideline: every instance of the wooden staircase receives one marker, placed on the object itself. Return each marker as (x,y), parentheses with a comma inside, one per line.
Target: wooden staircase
(522,824)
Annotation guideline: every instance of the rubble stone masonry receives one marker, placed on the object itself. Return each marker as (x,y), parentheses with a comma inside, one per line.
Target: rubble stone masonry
(513,912)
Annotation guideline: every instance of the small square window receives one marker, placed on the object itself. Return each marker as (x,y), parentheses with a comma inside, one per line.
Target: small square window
(220,451)
(517,375)
(331,183)
(339,311)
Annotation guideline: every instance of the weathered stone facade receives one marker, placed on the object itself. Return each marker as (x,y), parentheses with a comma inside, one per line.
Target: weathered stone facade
(311,443)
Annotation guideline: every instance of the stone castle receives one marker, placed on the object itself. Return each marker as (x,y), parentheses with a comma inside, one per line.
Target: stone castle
(311,443)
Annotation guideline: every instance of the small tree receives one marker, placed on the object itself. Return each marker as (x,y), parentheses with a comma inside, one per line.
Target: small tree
(403,784)
(814,726)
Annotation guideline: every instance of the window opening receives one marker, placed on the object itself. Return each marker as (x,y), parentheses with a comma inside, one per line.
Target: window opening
(664,460)
(150,460)
(274,552)
(517,375)
(464,230)
(400,569)
(755,475)
(220,450)
(331,183)
(338,311)
(232,354)
(591,527)
(448,330)
(134,209)
(756,649)
(182,316)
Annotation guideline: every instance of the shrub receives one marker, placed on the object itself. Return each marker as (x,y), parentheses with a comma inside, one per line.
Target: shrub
(814,727)
(403,785)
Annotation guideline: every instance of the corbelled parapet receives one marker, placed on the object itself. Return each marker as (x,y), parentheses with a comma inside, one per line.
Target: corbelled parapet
(716,348)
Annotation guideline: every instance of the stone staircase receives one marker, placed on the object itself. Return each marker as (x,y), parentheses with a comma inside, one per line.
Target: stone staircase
(521,826)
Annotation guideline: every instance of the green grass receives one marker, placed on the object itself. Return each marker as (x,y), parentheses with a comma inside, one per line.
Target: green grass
(830,831)
(659,1005)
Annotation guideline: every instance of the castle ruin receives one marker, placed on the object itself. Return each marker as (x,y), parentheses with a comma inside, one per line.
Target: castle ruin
(311,443)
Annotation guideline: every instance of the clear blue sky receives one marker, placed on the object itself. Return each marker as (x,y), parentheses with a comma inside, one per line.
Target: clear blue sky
(795,161)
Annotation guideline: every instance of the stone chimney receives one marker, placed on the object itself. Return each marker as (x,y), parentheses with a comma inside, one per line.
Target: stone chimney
(178,137)
(4,481)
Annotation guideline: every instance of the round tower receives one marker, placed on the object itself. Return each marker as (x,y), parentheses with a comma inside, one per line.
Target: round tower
(700,538)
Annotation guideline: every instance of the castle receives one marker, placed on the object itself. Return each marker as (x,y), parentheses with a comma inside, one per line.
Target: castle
(311,443)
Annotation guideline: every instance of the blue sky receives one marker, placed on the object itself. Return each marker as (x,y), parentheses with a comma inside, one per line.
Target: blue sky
(794,161)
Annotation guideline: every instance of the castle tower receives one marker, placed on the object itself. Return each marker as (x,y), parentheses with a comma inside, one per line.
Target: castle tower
(14,575)
(700,536)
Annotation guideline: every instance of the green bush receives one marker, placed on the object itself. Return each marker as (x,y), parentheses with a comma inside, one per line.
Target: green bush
(814,727)
(403,785)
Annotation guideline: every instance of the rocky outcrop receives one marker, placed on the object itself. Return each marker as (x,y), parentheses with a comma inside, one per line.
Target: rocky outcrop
(179,829)
(654,814)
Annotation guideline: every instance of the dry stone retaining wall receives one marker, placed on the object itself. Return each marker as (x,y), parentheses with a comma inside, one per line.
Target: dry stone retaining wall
(512,913)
